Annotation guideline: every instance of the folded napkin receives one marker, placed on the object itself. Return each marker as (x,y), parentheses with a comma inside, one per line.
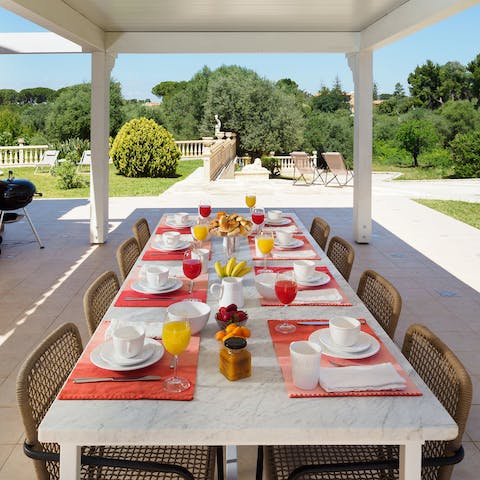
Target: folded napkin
(362,378)
(323,295)
(295,254)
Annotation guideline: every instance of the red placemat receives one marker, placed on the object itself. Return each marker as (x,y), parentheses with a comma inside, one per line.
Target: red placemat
(332,284)
(162,300)
(187,367)
(281,343)
(163,227)
(283,253)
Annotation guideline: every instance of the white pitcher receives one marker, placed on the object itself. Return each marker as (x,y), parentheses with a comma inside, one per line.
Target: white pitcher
(228,292)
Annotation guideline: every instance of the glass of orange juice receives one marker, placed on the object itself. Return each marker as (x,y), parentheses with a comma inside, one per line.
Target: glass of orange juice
(175,339)
(250,200)
(265,245)
(200,231)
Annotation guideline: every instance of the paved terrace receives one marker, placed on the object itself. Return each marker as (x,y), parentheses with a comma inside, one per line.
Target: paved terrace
(432,259)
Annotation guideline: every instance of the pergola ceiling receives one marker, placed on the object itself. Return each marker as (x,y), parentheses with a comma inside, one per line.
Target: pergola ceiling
(235,26)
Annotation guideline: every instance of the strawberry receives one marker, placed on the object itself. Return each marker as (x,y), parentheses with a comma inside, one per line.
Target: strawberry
(241,316)
(232,308)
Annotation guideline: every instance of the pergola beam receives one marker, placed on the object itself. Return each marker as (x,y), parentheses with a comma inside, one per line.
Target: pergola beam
(36,42)
(58,17)
(408,18)
(231,42)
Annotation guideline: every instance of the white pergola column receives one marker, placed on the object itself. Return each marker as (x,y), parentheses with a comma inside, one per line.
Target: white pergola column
(102,64)
(362,69)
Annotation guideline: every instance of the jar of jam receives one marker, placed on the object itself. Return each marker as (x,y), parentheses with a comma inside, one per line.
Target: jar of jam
(235,359)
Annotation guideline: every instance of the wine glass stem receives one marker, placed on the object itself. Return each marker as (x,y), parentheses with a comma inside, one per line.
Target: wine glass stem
(265,261)
(191,287)
(175,362)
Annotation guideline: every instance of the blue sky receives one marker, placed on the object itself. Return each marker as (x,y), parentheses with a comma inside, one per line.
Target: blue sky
(456,38)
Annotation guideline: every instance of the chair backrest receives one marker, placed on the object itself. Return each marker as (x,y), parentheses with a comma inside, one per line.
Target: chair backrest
(335,162)
(302,162)
(86,158)
(49,157)
(320,230)
(141,232)
(342,255)
(38,383)
(382,300)
(448,379)
(127,254)
(98,298)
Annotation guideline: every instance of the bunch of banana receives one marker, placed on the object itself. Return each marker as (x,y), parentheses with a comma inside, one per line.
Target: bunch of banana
(232,268)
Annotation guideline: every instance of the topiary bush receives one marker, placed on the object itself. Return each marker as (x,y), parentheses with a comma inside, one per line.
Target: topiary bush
(272,164)
(465,150)
(142,148)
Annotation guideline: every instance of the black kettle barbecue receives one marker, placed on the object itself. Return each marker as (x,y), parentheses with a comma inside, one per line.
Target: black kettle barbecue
(16,193)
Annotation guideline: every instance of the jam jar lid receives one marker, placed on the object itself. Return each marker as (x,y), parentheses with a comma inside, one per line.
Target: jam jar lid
(235,343)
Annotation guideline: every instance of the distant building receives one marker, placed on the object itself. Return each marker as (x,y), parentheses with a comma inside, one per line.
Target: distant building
(351,101)
(152,104)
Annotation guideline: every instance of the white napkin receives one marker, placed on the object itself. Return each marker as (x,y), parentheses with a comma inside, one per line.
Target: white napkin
(326,295)
(294,254)
(357,379)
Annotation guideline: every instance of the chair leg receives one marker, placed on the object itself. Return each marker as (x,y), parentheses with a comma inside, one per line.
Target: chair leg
(259,469)
(32,227)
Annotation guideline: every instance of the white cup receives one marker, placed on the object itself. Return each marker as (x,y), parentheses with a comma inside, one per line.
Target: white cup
(305,362)
(128,341)
(274,214)
(156,275)
(171,239)
(304,269)
(344,331)
(202,254)
(181,218)
(283,237)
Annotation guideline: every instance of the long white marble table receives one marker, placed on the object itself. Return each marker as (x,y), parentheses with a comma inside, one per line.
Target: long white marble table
(256,410)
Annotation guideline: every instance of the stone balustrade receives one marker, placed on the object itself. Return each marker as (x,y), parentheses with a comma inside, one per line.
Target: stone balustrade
(22,155)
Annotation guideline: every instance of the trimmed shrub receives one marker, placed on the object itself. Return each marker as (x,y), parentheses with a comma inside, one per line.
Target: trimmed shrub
(272,164)
(142,148)
(465,150)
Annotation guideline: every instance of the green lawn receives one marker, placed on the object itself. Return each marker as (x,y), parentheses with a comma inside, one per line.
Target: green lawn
(412,173)
(464,211)
(119,186)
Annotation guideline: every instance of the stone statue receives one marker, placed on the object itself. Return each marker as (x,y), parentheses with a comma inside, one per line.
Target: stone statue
(218,125)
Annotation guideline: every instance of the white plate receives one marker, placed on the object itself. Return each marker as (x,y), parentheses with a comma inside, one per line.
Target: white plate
(320,278)
(318,336)
(107,354)
(361,345)
(282,221)
(295,243)
(181,245)
(172,223)
(172,285)
(97,360)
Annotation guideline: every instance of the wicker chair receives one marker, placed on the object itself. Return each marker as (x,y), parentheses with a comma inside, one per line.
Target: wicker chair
(127,254)
(449,381)
(320,230)
(98,298)
(39,381)
(342,255)
(141,232)
(382,300)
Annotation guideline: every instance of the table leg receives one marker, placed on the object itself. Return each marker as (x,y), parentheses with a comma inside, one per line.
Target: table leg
(410,461)
(70,456)
(231,462)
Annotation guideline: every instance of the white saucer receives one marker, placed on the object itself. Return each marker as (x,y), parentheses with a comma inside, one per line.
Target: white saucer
(107,354)
(172,223)
(281,221)
(320,278)
(181,245)
(295,243)
(172,284)
(322,337)
(97,359)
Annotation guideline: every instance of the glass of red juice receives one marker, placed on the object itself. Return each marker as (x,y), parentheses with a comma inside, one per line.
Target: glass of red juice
(258,216)
(286,291)
(192,268)
(204,210)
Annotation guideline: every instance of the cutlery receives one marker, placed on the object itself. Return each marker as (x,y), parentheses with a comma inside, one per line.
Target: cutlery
(336,364)
(324,322)
(146,378)
(133,299)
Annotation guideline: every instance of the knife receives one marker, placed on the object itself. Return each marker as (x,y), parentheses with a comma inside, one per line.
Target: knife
(147,378)
(324,322)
